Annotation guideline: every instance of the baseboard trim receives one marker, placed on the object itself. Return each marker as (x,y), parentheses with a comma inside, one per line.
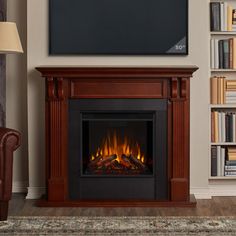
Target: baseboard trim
(35,192)
(19,187)
(200,193)
(214,191)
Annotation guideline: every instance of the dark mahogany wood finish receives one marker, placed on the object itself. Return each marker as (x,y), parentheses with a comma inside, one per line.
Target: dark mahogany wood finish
(64,83)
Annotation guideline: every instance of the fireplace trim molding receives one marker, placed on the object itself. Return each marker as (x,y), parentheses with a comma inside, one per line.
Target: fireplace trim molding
(63,83)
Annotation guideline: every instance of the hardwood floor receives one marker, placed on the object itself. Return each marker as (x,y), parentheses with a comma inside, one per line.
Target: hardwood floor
(218,206)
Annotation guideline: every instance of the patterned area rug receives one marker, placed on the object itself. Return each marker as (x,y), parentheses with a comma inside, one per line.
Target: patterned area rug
(140,226)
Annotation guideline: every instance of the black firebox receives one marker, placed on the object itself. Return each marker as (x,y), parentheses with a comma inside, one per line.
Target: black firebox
(118,149)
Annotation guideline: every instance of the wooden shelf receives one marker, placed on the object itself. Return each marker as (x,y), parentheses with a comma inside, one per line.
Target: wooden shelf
(223,144)
(223,70)
(232,105)
(222,178)
(224,33)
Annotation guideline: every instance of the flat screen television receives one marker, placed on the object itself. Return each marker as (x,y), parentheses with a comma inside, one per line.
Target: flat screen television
(118,27)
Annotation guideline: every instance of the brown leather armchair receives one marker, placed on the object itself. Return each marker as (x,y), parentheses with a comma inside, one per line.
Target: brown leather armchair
(9,142)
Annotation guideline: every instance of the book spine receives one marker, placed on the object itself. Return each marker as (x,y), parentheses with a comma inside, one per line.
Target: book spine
(231,163)
(214,90)
(223,127)
(230,168)
(212,127)
(234,127)
(234,16)
(231,53)
(225,15)
(218,90)
(231,131)
(222,156)
(212,54)
(216,126)
(226,54)
(227,127)
(221,16)
(230,18)
(213,161)
(224,90)
(218,160)
(230,173)
(220,55)
(219,126)
(216,53)
(234,53)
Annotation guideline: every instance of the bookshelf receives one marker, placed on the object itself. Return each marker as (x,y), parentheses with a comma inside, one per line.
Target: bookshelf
(224,108)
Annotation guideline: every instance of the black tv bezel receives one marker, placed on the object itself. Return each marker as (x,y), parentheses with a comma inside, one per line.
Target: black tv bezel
(118,54)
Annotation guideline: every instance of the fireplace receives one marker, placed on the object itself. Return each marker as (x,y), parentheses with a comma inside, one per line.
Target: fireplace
(118,149)
(117,136)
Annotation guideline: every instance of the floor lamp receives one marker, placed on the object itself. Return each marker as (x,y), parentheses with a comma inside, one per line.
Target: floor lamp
(9,139)
(9,41)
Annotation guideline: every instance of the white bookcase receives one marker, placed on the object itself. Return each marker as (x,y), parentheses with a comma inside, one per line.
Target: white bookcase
(229,74)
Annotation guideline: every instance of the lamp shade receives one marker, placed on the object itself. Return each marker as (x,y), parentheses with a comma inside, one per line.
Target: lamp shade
(9,38)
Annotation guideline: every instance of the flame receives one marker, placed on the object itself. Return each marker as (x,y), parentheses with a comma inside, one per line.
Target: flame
(113,145)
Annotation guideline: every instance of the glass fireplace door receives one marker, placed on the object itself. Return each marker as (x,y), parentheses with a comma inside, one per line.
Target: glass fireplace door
(117,144)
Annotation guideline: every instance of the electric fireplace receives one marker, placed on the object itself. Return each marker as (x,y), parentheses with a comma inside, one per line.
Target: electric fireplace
(118,149)
(117,136)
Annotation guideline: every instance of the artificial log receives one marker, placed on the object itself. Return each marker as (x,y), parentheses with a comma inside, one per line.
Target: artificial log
(94,162)
(125,161)
(107,160)
(136,162)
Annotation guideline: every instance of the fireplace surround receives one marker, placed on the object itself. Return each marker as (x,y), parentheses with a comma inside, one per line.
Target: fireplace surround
(129,137)
(117,136)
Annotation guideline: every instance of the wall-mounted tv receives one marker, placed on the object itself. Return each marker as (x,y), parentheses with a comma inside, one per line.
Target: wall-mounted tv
(118,27)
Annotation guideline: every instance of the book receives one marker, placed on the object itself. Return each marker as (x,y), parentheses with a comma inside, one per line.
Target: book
(230,163)
(215,16)
(212,53)
(222,16)
(220,54)
(229,17)
(234,16)
(230,173)
(234,128)
(226,54)
(216,53)
(227,127)
(219,127)
(216,126)
(212,127)
(214,90)
(233,168)
(222,158)
(213,161)
(225,15)
(223,127)
(231,53)
(231,130)
(234,53)
(218,160)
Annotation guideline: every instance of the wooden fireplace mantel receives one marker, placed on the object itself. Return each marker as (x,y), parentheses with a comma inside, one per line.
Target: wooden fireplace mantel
(64,83)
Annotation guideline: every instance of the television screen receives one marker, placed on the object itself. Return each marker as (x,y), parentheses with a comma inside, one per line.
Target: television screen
(118,27)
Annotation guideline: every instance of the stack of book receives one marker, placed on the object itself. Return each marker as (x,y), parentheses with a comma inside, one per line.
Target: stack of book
(230,166)
(230,94)
(222,16)
(218,90)
(217,161)
(223,126)
(223,53)
(223,161)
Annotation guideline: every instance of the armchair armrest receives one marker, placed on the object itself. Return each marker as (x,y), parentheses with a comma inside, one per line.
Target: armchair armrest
(9,142)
